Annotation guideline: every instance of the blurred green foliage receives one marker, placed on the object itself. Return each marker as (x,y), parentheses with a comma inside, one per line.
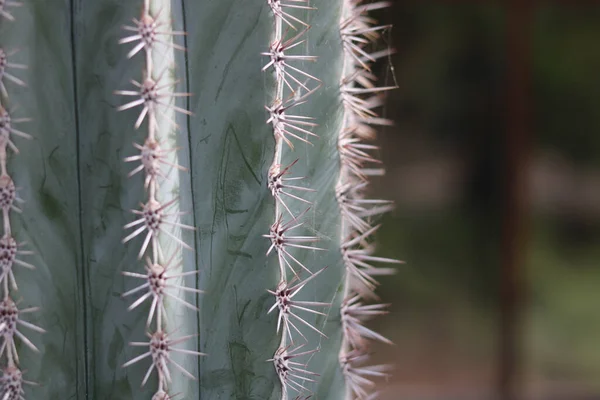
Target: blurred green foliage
(451,71)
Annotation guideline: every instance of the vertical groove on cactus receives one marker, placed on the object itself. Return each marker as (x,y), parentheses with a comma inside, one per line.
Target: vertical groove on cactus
(232,149)
(188,116)
(11,252)
(158,219)
(361,97)
(293,86)
(83,279)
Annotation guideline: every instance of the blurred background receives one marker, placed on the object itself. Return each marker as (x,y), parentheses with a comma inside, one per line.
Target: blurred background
(494,164)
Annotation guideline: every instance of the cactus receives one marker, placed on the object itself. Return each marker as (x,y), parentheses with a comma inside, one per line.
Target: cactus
(193,199)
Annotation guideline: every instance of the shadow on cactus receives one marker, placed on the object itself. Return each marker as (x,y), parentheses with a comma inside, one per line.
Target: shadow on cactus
(192,199)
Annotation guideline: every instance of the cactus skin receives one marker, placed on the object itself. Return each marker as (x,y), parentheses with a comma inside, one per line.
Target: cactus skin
(45,174)
(232,149)
(78,195)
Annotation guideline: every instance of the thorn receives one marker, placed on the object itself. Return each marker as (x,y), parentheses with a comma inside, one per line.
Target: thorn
(359,378)
(159,348)
(149,96)
(278,6)
(279,188)
(281,62)
(9,322)
(293,375)
(153,222)
(12,382)
(157,287)
(146,32)
(284,302)
(6,130)
(280,240)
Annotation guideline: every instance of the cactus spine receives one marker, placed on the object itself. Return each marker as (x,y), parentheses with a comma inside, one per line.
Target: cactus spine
(361,97)
(158,219)
(292,88)
(12,382)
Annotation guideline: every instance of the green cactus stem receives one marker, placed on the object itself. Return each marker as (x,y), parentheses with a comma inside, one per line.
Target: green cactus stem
(195,199)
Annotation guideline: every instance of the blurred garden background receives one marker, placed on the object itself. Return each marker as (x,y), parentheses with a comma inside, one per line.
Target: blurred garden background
(494,165)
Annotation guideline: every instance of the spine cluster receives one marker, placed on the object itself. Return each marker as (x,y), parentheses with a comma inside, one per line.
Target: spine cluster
(11,252)
(158,218)
(293,86)
(361,98)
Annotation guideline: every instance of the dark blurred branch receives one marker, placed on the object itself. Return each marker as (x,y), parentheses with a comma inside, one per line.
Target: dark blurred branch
(519,14)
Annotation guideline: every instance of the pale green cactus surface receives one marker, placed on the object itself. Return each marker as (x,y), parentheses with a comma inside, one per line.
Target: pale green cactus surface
(155,243)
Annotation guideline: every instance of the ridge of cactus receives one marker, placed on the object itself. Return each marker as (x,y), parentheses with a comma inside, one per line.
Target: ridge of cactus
(157,221)
(361,98)
(11,252)
(293,87)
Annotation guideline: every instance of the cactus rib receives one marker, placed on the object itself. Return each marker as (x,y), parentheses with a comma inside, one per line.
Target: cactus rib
(360,98)
(11,382)
(293,86)
(158,219)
